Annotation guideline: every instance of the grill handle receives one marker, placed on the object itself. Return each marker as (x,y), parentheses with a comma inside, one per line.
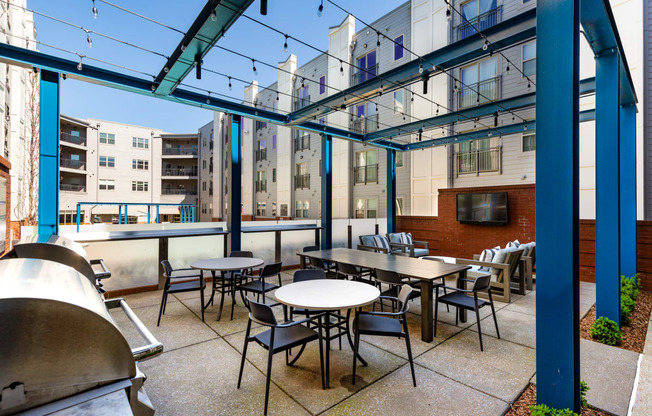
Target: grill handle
(154,347)
(105,273)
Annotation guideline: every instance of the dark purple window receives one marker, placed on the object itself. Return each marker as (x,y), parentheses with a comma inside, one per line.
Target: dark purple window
(367,65)
(322,120)
(398,48)
(322,85)
(274,142)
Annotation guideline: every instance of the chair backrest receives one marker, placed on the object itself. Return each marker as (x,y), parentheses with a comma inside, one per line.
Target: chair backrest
(317,263)
(261,313)
(308,274)
(482,283)
(310,248)
(533,254)
(513,257)
(348,269)
(395,237)
(367,240)
(247,254)
(167,267)
(271,269)
(403,297)
(386,276)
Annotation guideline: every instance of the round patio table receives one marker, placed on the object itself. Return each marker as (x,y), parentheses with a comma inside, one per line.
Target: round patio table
(222,265)
(328,295)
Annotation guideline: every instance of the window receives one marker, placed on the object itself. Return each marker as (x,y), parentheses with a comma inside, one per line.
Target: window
(367,118)
(261,181)
(302,178)
(69,217)
(399,206)
(303,97)
(204,141)
(140,143)
(261,208)
(203,164)
(398,101)
(398,48)
(399,159)
(366,208)
(322,85)
(477,156)
(203,208)
(366,167)
(139,186)
(478,15)
(140,164)
(273,209)
(368,68)
(529,142)
(530,58)
(302,209)
(107,138)
(203,186)
(273,174)
(107,161)
(274,106)
(322,120)
(274,142)
(480,83)
(107,184)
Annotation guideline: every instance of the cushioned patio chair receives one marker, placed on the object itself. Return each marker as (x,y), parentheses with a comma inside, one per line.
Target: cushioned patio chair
(380,244)
(405,242)
(501,271)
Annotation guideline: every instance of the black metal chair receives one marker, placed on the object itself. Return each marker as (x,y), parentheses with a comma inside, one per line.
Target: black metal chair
(257,284)
(228,281)
(185,286)
(460,299)
(395,282)
(387,324)
(279,338)
(319,264)
(442,284)
(346,271)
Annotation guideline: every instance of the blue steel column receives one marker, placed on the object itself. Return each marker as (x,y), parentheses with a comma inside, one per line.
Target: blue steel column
(557,207)
(149,214)
(391,191)
(327,191)
(48,178)
(78,216)
(234,219)
(607,185)
(628,190)
(157,212)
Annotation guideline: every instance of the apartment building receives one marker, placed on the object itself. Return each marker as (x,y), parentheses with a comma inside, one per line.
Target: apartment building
(108,162)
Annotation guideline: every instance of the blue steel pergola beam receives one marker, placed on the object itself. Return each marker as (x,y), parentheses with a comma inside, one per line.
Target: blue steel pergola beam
(601,32)
(510,32)
(199,39)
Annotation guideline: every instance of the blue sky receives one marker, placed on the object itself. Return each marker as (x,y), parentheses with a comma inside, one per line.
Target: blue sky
(79,99)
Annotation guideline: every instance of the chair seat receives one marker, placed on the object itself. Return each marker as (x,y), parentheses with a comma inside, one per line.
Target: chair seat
(394,290)
(186,286)
(421,252)
(257,286)
(285,338)
(461,300)
(378,325)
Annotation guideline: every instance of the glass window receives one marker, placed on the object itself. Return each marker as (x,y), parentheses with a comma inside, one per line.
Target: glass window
(530,58)
(359,208)
(107,138)
(107,161)
(140,164)
(273,174)
(274,142)
(322,85)
(139,186)
(372,205)
(398,101)
(107,184)
(367,67)
(529,142)
(140,143)
(274,106)
(399,159)
(398,48)
(399,206)
(322,120)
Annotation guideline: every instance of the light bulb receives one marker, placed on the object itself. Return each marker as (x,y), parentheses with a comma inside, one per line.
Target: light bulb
(341,68)
(253,62)
(214,15)
(485,45)
(183,47)
(320,9)
(448,14)
(94,10)
(230,86)
(166,69)
(79,65)
(421,68)
(89,40)
(285,45)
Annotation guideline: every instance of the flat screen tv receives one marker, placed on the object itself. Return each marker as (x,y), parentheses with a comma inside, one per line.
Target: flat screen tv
(489,208)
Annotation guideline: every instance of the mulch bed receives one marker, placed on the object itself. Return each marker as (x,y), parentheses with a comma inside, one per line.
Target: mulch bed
(529,398)
(633,334)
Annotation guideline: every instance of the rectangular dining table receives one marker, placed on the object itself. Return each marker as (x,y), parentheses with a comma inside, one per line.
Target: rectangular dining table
(424,270)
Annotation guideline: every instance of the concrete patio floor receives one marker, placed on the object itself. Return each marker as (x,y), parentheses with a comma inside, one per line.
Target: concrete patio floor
(197,372)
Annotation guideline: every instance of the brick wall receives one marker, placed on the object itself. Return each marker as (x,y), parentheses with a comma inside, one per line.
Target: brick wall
(5,167)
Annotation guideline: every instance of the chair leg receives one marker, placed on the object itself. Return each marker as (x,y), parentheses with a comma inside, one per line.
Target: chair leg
(477,320)
(448,308)
(356,344)
(321,355)
(164,300)
(244,352)
(493,312)
(201,294)
(232,295)
(409,349)
(269,368)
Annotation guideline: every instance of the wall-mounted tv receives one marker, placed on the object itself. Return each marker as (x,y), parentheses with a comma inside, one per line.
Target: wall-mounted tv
(489,208)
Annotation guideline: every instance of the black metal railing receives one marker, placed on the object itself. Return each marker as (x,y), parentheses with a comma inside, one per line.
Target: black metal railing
(71,138)
(364,124)
(171,191)
(302,143)
(72,163)
(261,154)
(189,171)
(302,181)
(299,103)
(180,151)
(366,174)
(261,185)
(479,23)
(363,75)
(71,187)
(479,92)
(479,161)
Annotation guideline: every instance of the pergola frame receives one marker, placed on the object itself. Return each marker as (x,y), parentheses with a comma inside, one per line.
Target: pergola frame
(557,168)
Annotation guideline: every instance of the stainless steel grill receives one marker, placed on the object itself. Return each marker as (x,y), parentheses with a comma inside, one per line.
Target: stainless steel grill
(61,351)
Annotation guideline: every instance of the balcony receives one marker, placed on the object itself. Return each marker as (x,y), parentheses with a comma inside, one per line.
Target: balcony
(169,191)
(302,181)
(479,161)
(364,125)
(261,186)
(301,102)
(72,163)
(71,187)
(261,154)
(364,75)
(302,143)
(479,92)
(478,24)
(365,174)
(70,138)
(189,171)
(180,151)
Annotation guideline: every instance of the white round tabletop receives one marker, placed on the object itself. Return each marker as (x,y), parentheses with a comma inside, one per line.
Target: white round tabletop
(227,263)
(327,294)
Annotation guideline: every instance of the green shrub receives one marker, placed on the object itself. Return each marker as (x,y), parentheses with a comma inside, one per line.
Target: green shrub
(627,305)
(543,410)
(630,286)
(584,388)
(606,331)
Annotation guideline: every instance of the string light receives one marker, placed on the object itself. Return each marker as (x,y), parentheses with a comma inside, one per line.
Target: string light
(485,45)
(285,45)
(79,65)
(230,85)
(341,68)
(214,15)
(378,39)
(421,68)
(320,9)
(448,13)
(253,63)
(94,10)
(88,38)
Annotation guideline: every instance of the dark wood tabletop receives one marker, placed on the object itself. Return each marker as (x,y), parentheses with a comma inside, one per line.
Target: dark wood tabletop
(407,266)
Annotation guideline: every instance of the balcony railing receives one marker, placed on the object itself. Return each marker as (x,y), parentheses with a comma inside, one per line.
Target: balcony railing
(364,75)
(180,151)
(261,186)
(191,171)
(302,181)
(364,125)
(479,92)
(168,191)
(70,138)
(479,161)
(72,163)
(366,174)
(261,154)
(479,23)
(301,102)
(70,187)
(302,143)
